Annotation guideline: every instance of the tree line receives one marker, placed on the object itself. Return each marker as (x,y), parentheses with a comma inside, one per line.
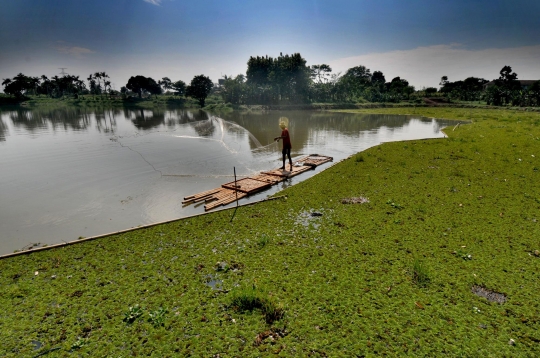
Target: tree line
(505,90)
(99,84)
(287,79)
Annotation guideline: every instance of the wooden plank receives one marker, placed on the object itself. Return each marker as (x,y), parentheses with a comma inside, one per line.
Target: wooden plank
(205,198)
(204,193)
(201,196)
(273,179)
(247,185)
(315,160)
(224,193)
(287,174)
(224,201)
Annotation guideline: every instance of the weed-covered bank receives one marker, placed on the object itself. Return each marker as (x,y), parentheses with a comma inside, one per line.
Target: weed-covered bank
(420,248)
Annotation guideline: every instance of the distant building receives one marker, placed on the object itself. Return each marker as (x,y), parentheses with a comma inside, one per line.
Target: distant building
(524,83)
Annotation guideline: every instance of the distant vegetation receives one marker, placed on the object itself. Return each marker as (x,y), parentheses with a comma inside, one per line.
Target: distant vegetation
(284,80)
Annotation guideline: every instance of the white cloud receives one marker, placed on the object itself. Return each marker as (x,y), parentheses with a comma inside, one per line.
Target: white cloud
(154,2)
(74,50)
(424,66)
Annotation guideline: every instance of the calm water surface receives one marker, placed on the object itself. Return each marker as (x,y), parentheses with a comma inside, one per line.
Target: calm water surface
(67,173)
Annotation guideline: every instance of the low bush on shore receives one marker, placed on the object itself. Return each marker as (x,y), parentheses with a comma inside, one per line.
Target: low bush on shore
(421,248)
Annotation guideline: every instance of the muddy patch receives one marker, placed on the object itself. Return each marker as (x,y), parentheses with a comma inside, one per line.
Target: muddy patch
(355,200)
(270,335)
(491,296)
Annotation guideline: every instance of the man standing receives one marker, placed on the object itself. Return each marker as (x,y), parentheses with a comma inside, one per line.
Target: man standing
(286,141)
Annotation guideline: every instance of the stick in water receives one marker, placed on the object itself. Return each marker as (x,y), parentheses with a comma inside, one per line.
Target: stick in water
(235,186)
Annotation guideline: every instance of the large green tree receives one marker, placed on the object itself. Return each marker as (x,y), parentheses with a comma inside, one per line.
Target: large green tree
(140,84)
(272,80)
(233,89)
(166,83)
(506,89)
(322,84)
(353,83)
(20,84)
(179,88)
(200,88)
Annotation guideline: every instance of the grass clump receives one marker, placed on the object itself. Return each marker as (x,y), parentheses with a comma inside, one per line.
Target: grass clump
(420,273)
(251,299)
(262,241)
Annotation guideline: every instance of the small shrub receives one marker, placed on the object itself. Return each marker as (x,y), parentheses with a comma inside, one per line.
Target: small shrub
(359,158)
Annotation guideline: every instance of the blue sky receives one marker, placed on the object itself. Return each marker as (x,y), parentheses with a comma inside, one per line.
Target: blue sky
(416,39)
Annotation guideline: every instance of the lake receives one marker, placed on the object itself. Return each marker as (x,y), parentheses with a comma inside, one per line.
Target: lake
(72,172)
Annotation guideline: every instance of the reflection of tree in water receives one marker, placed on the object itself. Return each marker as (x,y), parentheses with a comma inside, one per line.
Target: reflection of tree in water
(106,120)
(3,131)
(181,116)
(66,118)
(145,119)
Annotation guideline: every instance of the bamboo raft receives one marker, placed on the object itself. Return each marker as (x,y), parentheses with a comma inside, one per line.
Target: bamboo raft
(230,192)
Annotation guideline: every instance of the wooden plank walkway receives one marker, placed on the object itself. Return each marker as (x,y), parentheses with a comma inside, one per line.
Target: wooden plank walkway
(230,192)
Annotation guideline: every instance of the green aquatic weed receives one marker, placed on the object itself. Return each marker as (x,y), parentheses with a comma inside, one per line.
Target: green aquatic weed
(157,317)
(79,343)
(133,313)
